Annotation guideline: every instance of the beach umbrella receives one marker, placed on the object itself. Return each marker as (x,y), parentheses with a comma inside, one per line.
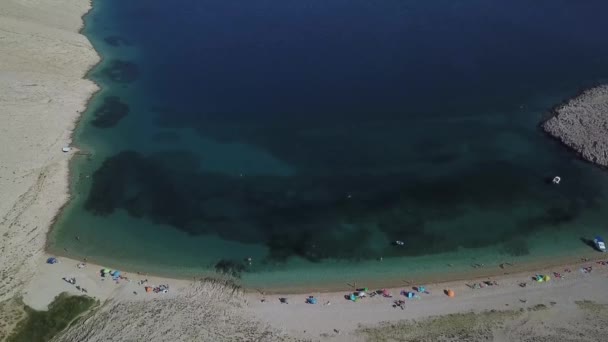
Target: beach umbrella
(450,293)
(385,292)
(105,270)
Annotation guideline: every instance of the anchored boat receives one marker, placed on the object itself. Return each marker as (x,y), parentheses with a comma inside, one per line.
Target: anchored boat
(599,244)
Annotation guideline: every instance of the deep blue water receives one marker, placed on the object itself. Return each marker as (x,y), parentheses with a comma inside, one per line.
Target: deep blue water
(325,129)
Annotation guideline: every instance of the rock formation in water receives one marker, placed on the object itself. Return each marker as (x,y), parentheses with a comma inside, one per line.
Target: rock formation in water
(582,124)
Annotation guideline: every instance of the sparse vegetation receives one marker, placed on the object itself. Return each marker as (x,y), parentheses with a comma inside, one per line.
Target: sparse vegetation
(11,312)
(468,326)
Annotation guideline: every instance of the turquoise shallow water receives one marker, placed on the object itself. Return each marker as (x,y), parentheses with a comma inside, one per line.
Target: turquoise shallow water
(309,137)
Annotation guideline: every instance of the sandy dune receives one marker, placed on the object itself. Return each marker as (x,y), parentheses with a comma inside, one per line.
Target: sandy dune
(204,311)
(569,309)
(43,59)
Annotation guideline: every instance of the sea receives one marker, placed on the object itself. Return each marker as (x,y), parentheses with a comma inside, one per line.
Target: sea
(288,144)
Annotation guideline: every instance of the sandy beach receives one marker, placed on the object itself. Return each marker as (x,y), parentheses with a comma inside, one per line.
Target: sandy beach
(43,62)
(342,319)
(534,311)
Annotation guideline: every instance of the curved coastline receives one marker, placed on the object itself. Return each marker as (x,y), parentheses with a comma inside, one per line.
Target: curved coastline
(331,287)
(77,121)
(46,91)
(42,283)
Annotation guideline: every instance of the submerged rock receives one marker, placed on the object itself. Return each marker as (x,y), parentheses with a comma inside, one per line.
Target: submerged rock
(582,124)
(121,71)
(110,112)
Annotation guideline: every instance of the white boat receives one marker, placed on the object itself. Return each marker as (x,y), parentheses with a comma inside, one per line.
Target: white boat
(556,180)
(599,244)
(399,243)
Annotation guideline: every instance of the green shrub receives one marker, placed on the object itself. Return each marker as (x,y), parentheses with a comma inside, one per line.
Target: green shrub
(43,325)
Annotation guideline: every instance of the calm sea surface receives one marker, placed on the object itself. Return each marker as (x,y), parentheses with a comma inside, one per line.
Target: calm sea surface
(309,135)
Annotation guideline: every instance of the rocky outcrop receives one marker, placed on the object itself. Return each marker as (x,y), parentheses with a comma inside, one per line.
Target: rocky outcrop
(582,124)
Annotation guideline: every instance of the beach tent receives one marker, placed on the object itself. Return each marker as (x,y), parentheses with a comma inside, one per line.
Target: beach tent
(450,293)
(408,294)
(116,273)
(421,289)
(51,260)
(311,300)
(353,297)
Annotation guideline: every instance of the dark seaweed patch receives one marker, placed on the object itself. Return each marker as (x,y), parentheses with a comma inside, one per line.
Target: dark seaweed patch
(553,216)
(230,267)
(516,247)
(116,41)
(110,112)
(121,71)
(165,137)
(310,216)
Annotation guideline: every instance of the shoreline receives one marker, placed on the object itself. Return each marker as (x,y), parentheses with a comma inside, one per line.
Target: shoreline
(457,276)
(340,320)
(488,271)
(343,317)
(39,186)
(45,64)
(437,277)
(77,121)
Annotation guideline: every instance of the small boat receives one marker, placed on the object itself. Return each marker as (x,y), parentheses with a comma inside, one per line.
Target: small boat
(599,244)
(399,243)
(556,180)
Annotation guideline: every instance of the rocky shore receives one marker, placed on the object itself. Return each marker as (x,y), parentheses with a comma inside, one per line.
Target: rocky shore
(582,124)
